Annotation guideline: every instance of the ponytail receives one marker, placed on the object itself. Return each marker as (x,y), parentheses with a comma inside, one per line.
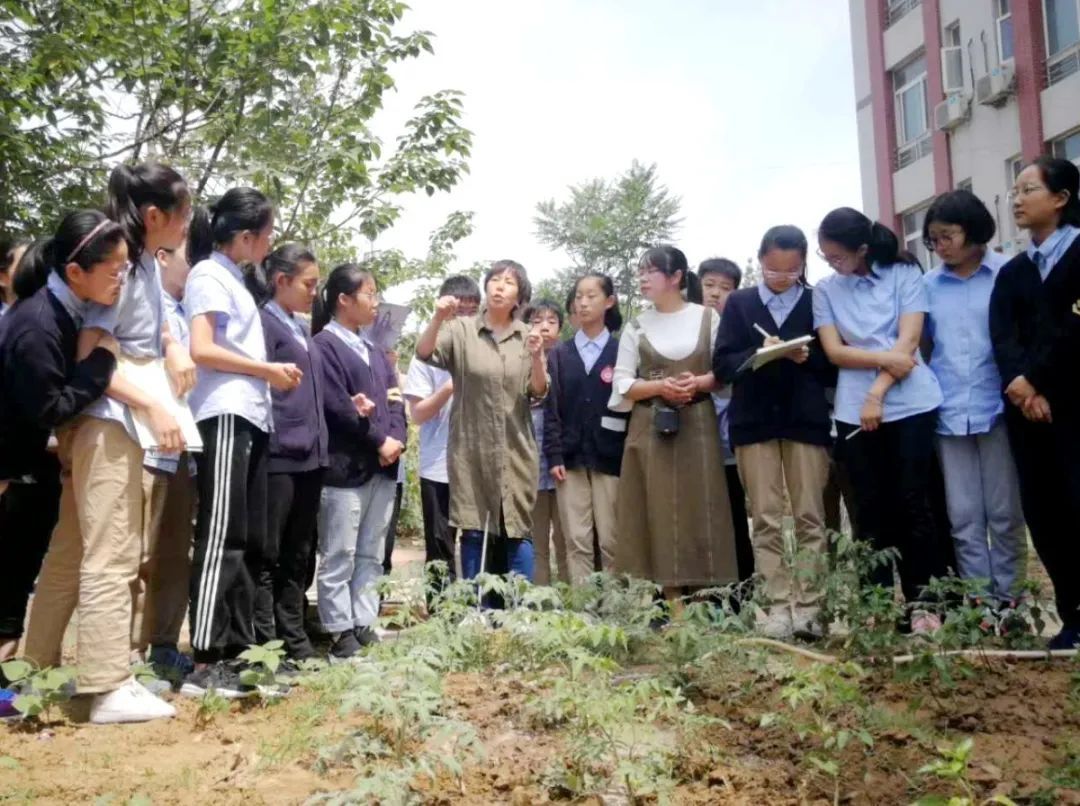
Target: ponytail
(131,188)
(32,270)
(345,279)
(668,260)
(694,291)
(239,210)
(852,230)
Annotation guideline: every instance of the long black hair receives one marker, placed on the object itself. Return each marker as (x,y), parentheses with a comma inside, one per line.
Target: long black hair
(239,210)
(287,259)
(785,237)
(84,237)
(1062,176)
(132,187)
(612,316)
(668,260)
(852,230)
(345,279)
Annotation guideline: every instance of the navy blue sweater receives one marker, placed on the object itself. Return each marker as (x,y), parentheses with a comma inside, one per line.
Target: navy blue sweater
(782,400)
(41,384)
(354,440)
(298,442)
(576,404)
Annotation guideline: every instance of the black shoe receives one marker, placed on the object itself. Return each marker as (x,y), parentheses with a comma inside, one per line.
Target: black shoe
(344,646)
(1068,638)
(365,636)
(220,678)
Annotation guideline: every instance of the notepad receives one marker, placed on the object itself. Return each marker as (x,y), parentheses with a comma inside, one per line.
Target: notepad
(765,355)
(389,323)
(151,377)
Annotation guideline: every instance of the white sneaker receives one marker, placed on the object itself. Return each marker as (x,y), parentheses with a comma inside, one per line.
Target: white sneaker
(129,703)
(806,623)
(777,623)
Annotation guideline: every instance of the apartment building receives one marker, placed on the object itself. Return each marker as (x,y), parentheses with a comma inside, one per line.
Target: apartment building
(961,93)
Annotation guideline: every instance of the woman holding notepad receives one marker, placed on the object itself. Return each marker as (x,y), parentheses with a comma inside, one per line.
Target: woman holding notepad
(869,317)
(779,420)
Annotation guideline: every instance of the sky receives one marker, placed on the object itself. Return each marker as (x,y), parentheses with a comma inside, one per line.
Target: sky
(747,108)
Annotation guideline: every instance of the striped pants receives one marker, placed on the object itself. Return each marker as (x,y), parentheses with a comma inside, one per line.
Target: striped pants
(230,534)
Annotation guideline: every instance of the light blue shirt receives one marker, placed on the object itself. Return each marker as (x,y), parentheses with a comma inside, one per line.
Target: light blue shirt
(216,286)
(780,305)
(4,307)
(135,322)
(75,307)
(354,341)
(421,382)
(963,357)
(1047,254)
(290,321)
(590,349)
(175,318)
(866,311)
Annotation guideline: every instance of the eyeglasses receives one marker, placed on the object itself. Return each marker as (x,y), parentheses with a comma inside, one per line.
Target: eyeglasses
(833,260)
(945,239)
(374,296)
(1026,190)
(796,273)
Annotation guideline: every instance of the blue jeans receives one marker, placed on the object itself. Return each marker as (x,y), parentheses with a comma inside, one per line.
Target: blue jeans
(503,555)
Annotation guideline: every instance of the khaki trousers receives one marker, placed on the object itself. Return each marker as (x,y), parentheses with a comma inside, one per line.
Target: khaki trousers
(547,530)
(93,558)
(160,591)
(587,501)
(791,578)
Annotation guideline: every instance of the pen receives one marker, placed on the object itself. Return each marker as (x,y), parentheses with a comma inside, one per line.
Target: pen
(762,331)
(853,433)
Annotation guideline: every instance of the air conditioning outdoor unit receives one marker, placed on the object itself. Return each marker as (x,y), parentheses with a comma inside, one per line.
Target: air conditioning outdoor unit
(951,112)
(995,87)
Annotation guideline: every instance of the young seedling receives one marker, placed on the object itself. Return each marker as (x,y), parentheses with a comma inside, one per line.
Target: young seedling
(39,690)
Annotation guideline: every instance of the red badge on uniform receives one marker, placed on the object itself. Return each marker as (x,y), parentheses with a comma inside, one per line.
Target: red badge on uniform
(606,374)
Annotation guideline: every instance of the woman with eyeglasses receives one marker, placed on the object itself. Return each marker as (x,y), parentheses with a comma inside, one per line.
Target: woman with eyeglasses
(981,489)
(1035,329)
(869,317)
(674,513)
(780,428)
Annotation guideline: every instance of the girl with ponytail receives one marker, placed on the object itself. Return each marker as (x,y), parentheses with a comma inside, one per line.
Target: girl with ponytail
(869,318)
(674,514)
(232,406)
(1035,330)
(365,417)
(290,277)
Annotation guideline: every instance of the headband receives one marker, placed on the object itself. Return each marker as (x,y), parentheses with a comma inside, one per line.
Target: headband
(89,237)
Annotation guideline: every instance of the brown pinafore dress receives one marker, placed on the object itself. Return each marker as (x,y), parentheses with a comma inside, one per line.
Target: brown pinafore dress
(674,516)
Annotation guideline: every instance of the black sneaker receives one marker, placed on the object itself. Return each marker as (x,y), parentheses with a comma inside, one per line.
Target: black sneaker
(365,636)
(219,678)
(344,646)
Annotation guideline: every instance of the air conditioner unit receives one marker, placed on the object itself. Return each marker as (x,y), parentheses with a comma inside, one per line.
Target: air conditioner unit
(995,87)
(951,112)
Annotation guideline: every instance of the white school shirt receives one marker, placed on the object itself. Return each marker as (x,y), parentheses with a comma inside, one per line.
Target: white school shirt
(673,335)
(422,381)
(216,286)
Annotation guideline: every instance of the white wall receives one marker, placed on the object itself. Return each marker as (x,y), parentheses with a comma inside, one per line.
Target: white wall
(903,38)
(1061,107)
(864,114)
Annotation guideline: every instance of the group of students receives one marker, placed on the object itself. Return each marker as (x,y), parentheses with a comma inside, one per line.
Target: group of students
(631,449)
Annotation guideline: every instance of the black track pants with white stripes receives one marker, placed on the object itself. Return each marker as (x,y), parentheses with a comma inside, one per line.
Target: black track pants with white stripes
(230,533)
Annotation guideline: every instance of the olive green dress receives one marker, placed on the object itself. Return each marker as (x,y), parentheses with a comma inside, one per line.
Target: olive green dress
(674,516)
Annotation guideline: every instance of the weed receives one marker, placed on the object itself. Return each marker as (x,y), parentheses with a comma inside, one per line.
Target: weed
(39,690)
(211,705)
(952,766)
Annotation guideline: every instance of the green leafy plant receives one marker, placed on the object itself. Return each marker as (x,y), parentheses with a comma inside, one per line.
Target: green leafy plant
(263,664)
(39,690)
(211,706)
(952,767)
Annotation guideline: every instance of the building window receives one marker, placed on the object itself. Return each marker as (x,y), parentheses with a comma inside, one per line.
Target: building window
(895,9)
(1003,12)
(952,60)
(1062,19)
(912,113)
(1068,147)
(913,232)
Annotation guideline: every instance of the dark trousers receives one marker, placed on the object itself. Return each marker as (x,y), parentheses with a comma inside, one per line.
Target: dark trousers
(1048,463)
(28,513)
(391,530)
(744,549)
(230,535)
(890,471)
(291,516)
(438,533)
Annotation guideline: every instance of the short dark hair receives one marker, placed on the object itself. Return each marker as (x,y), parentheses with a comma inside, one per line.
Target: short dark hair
(461,286)
(723,267)
(518,272)
(964,209)
(543,305)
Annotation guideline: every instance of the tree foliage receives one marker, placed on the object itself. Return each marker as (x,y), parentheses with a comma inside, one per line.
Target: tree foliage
(605,224)
(278,94)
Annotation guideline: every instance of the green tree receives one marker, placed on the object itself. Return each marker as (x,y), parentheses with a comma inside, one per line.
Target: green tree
(279,94)
(751,274)
(605,224)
